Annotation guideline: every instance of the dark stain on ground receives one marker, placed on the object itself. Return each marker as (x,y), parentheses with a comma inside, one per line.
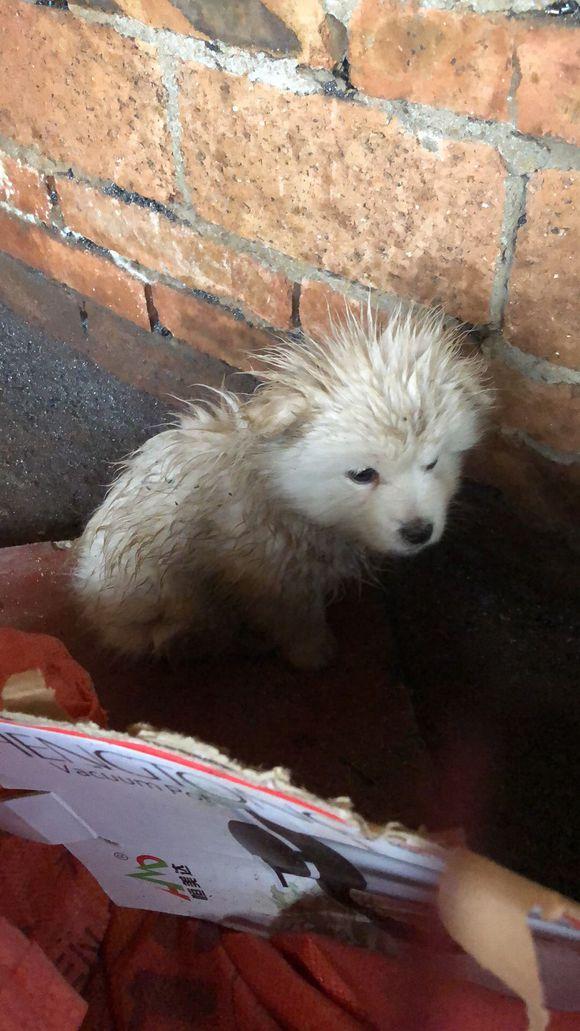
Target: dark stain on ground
(487,628)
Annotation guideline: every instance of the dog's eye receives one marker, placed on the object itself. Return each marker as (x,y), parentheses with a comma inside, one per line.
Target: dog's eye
(431,466)
(363,475)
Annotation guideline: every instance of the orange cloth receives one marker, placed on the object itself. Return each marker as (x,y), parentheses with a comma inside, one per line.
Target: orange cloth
(68,683)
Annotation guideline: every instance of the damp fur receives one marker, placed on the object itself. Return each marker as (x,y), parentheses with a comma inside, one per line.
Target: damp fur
(244,518)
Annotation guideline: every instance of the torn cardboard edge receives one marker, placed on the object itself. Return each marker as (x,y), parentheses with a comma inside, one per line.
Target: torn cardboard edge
(277,779)
(485,908)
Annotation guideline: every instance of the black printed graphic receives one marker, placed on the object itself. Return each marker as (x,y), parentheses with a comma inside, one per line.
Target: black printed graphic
(337,876)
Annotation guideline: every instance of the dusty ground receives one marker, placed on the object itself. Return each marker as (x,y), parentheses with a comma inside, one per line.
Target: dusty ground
(62,421)
(487,625)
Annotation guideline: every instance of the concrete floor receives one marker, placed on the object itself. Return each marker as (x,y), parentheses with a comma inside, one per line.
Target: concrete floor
(63,420)
(64,417)
(486,625)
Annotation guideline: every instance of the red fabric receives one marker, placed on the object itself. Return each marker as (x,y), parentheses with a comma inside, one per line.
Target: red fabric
(56,902)
(167,973)
(154,972)
(71,684)
(33,995)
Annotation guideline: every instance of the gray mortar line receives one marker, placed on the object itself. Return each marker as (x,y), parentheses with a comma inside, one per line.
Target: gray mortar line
(167,65)
(296,298)
(513,212)
(538,369)
(535,8)
(295,271)
(66,235)
(31,156)
(515,81)
(285,73)
(136,269)
(56,215)
(550,453)
(522,154)
(342,10)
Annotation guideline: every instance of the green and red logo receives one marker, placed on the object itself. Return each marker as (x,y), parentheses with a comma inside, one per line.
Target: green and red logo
(155,870)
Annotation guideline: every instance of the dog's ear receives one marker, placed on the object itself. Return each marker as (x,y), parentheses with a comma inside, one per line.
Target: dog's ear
(271,413)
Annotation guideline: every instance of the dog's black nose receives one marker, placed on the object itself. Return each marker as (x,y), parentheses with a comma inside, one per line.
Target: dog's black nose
(416,532)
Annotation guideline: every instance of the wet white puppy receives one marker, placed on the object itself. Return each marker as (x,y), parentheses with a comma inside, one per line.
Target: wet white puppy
(247,516)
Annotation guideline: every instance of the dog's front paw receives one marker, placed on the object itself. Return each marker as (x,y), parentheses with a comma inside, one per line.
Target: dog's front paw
(311,652)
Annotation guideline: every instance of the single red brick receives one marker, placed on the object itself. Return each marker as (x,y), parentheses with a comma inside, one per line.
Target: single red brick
(23,187)
(547,412)
(176,249)
(542,312)
(345,189)
(90,274)
(548,97)
(450,59)
(209,328)
(86,97)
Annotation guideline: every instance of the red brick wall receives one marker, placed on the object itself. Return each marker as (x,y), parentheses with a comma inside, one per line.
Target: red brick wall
(223,170)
